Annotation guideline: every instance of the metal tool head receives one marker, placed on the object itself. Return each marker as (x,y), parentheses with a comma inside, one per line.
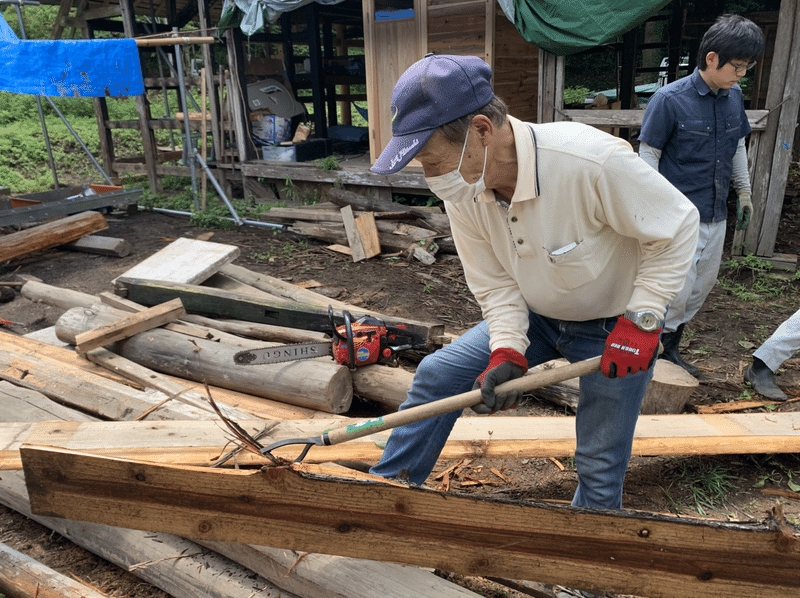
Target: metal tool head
(308,442)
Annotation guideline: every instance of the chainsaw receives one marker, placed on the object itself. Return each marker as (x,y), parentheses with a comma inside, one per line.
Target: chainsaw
(365,341)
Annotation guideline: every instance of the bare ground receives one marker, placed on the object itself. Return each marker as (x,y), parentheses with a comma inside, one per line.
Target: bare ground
(719,341)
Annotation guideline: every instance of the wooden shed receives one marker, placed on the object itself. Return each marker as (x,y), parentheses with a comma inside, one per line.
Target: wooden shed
(395,33)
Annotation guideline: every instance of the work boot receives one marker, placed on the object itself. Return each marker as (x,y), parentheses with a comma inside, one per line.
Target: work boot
(762,379)
(671,342)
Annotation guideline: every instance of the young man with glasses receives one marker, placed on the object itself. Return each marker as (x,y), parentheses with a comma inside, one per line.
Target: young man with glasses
(693,133)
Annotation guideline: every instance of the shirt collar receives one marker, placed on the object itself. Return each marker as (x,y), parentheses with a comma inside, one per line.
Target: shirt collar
(702,87)
(526,185)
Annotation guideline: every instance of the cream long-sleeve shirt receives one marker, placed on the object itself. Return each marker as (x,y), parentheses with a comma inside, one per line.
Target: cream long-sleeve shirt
(591,231)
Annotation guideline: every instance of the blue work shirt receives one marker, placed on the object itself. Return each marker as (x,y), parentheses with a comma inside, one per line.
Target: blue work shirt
(697,132)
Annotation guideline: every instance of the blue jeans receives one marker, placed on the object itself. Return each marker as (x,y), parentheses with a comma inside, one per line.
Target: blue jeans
(605,421)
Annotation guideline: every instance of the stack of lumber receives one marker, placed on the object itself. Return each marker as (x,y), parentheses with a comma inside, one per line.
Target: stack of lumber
(45,383)
(146,365)
(365,227)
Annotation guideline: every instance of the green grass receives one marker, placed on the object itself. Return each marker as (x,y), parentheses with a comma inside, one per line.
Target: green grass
(699,485)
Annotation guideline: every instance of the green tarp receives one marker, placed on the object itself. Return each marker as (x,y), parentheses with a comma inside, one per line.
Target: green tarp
(564,27)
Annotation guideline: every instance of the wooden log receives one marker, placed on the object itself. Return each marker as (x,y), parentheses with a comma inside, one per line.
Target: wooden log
(127,326)
(59,358)
(369,517)
(53,233)
(319,384)
(56,296)
(95,394)
(101,245)
(21,576)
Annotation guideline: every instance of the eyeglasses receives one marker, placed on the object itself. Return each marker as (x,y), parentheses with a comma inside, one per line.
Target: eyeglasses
(743,68)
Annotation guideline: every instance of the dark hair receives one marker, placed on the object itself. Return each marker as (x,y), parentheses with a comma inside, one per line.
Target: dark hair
(455,131)
(731,37)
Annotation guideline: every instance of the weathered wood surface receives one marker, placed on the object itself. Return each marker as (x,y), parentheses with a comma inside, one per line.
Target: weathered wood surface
(343,197)
(633,118)
(215,302)
(101,245)
(62,298)
(122,304)
(184,260)
(60,358)
(181,568)
(21,576)
(89,392)
(319,384)
(176,565)
(343,577)
(199,443)
(50,234)
(303,507)
(127,326)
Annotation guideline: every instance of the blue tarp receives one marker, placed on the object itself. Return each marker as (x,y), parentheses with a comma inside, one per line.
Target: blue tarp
(85,68)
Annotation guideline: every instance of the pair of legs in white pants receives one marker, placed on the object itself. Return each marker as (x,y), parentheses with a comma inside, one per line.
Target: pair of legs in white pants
(701,277)
(783,343)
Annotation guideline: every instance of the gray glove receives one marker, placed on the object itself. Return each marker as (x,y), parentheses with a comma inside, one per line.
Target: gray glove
(504,365)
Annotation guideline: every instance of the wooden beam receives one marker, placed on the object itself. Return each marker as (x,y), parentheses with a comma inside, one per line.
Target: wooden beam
(127,326)
(215,302)
(304,507)
(633,118)
(199,443)
(50,234)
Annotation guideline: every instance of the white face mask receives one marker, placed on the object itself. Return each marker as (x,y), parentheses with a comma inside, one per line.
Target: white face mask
(452,187)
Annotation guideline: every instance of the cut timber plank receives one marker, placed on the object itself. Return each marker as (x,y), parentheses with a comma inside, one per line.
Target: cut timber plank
(621,551)
(53,233)
(101,245)
(184,260)
(126,327)
(122,304)
(20,575)
(362,234)
(198,443)
(353,237)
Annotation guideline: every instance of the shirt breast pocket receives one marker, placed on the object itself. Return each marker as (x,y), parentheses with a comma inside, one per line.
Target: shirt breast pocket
(694,140)
(577,263)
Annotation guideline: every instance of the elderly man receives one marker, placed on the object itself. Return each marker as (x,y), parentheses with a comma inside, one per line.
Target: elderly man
(571,244)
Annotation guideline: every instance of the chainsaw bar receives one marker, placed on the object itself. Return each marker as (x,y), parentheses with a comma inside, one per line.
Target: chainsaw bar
(266,355)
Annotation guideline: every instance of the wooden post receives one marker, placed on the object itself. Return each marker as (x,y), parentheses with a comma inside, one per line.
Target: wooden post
(551,87)
(203,140)
(142,108)
(768,145)
(211,82)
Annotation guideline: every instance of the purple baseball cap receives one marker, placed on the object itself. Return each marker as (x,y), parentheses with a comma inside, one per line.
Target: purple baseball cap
(433,91)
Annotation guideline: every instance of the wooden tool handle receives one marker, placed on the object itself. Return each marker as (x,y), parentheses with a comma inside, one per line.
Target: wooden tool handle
(462,401)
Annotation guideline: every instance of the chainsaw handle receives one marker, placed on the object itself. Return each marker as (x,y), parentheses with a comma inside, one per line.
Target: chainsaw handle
(458,402)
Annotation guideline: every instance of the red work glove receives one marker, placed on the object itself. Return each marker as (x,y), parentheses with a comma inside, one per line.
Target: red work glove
(628,349)
(504,365)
